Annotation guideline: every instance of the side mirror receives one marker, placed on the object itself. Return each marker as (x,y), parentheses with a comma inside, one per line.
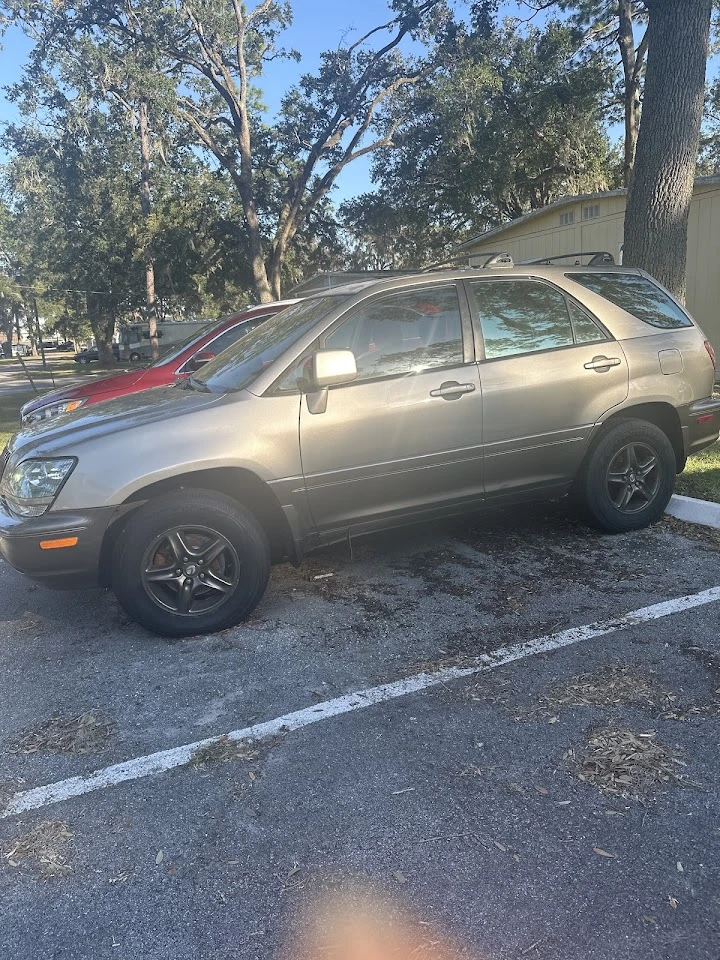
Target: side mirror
(331,367)
(200,359)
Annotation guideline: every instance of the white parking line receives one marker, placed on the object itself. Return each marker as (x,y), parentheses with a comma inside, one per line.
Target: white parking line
(154,763)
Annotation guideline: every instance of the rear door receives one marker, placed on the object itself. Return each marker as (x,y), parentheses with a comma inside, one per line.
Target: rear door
(549,371)
(407,434)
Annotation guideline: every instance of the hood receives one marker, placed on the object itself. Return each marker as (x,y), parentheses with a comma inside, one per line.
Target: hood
(62,434)
(90,388)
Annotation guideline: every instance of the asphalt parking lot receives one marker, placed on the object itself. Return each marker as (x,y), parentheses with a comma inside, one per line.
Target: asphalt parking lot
(495,806)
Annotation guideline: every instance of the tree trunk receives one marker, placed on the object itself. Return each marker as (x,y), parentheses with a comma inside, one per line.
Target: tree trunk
(661,186)
(146,207)
(103,327)
(39,333)
(632,61)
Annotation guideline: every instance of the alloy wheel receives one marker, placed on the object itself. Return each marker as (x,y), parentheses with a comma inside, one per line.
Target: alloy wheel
(633,477)
(190,570)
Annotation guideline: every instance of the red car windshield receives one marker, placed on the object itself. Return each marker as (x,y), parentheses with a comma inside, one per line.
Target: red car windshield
(172,351)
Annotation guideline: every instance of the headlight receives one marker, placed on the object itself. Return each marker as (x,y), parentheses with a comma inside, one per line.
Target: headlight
(51,410)
(32,485)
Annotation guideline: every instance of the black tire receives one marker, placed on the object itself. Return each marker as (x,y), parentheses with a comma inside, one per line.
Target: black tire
(612,474)
(149,592)
(83,360)
(134,357)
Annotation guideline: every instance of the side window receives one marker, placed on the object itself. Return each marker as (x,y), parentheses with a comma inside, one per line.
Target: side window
(636,295)
(584,327)
(521,316)
(403,333)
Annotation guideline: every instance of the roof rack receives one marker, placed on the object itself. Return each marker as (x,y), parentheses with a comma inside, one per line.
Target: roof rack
(500,259)
(598,258)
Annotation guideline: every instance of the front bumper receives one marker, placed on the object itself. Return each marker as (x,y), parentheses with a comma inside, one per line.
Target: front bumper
(66,568)
(700,423)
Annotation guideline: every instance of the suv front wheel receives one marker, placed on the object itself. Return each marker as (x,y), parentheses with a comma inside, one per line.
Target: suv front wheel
(628,477)
(193,562)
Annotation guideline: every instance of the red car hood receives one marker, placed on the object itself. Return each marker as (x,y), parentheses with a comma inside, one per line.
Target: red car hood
(92,388)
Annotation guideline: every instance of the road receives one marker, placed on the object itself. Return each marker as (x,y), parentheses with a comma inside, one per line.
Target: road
(461,802)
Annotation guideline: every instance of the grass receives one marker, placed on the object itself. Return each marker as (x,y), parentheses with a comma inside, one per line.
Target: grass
(701,477)
(10,414)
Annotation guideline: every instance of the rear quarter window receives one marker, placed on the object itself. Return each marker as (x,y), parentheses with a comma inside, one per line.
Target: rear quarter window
(636,295)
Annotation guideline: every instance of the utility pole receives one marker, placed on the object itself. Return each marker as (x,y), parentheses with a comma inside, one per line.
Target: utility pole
(39,333)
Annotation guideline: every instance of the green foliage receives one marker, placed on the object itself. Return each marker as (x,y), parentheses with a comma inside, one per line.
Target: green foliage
(513,122)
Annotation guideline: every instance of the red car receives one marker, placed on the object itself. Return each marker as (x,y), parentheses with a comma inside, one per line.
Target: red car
(181,360)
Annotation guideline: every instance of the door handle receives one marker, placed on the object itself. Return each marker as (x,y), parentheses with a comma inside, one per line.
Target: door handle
(452,390)
(601,364)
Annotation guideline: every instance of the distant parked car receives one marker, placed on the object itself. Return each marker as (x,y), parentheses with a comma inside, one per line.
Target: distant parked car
(91,355)
(65,346)
(178,362)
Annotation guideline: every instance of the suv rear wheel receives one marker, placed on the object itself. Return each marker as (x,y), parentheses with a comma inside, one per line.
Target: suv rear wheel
(628,477)
(193,562)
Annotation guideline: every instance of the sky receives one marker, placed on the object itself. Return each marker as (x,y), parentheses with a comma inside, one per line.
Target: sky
(318,25)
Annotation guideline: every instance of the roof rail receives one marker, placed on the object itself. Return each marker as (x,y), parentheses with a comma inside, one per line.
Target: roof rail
(597,258)
(500,259)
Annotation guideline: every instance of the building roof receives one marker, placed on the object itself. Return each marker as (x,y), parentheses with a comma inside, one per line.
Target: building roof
(558,205)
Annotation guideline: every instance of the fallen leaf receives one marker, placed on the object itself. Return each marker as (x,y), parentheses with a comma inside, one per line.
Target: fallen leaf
(603,853)
(516,857)
(399,876)
(542,791)
(648,919)
(680,867)
(500,846)
(554,720)
(673,902)
(562,803)
(160,857)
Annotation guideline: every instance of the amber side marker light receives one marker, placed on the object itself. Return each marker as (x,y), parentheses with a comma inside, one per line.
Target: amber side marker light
(58,544)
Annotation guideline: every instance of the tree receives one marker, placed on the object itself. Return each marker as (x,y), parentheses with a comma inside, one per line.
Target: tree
(661,188)
(606,24)
(511,122)
(327,121)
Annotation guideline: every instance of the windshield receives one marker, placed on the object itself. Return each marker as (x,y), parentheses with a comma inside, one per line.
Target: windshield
(240,364)
(173,350)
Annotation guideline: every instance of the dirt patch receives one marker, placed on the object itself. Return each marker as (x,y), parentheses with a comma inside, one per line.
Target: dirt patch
(84,733)
(613,686)
(705,536)
(224,750)
(625,763)
(45,846)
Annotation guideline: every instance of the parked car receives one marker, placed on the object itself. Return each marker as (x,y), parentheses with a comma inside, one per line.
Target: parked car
(92,354)
(370,405)
(177,362)
(66,346)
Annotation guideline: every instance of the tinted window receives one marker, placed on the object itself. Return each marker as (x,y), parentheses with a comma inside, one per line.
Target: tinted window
(403,333)
(521,316)
(240,364)
(584,327)
(636,295)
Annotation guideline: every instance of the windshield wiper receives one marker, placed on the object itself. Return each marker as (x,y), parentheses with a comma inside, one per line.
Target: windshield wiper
(192,384)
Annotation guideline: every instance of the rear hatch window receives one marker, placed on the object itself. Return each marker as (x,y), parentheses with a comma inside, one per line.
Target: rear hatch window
(636,295)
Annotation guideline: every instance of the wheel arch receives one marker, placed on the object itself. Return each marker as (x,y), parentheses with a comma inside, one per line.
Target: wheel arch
(662,414)
(239,484)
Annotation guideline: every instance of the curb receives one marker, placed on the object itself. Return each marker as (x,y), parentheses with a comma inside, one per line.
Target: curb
(704,512)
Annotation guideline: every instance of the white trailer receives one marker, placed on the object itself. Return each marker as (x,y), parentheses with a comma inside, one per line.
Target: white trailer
(135,337)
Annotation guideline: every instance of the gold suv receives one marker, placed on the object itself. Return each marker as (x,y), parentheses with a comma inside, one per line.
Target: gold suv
(364,406)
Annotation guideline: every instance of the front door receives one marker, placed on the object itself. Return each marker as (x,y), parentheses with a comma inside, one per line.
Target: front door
(549,373)
(406,435)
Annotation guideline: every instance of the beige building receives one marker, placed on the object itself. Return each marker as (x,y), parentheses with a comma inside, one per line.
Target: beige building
(594,222)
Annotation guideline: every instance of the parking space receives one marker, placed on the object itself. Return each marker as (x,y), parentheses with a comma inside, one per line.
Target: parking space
(563,804)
